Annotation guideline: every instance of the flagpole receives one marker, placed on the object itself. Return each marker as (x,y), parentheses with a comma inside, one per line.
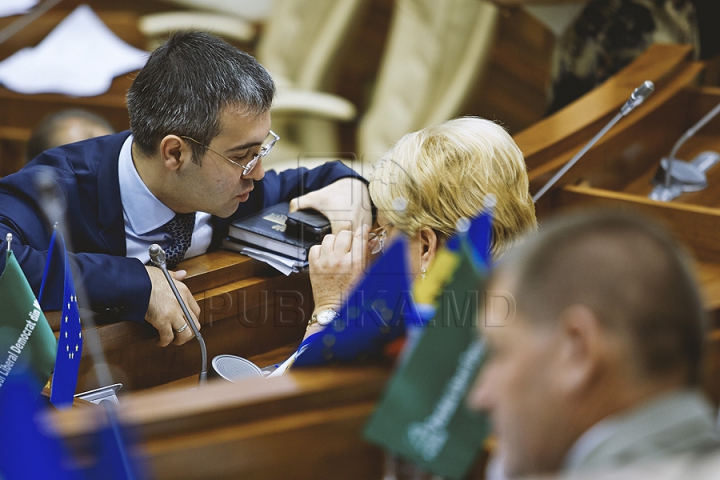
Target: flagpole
(53,205)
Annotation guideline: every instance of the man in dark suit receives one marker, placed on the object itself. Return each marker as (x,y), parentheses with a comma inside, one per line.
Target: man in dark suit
(192,162)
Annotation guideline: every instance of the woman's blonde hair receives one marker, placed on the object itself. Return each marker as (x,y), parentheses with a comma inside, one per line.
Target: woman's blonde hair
(434,177)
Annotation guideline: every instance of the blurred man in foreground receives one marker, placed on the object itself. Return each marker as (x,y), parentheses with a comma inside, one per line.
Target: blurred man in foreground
(596,364)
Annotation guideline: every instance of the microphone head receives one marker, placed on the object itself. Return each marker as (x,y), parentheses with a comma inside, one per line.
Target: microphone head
(157,254)
(638,96)
(643,91)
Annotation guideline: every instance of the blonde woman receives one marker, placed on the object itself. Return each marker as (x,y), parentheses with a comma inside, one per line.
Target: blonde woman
(421,188)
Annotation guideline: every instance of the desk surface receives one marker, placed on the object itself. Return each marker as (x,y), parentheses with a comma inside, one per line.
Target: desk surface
(247,309)
(262,360)
(303,425)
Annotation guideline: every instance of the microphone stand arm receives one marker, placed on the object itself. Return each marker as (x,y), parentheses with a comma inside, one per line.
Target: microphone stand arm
(637,97)
(158,259)
(577,157)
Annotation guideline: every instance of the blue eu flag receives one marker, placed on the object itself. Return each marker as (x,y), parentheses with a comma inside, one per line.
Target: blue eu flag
(28,451)
(67,361)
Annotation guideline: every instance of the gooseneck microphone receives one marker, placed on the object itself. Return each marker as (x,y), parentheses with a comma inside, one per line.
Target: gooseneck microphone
(680,176)
(637,97)
(157,256)
(692,131)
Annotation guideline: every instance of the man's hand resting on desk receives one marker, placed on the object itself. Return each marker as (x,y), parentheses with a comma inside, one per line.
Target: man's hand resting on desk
(346,203)
(164,312)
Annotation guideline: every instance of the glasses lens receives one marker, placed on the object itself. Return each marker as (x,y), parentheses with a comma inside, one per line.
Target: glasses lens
(264,149)
(376,242)
(268,144)
(270,141)
(251,164)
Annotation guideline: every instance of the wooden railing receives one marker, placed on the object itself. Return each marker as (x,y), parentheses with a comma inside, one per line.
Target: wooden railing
(617,172)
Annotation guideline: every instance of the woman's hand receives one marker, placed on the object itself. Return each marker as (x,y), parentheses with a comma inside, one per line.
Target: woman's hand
(335,267)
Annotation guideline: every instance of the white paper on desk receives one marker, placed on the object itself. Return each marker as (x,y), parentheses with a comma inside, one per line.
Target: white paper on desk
(16,7)
(285,265)
(80,57)
(285,366)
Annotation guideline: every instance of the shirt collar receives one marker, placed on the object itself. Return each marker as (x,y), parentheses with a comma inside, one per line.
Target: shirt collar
(143,211)
(632,428)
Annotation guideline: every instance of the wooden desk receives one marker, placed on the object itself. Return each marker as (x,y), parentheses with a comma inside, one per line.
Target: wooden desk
(248,309)
(304,425)
(618,169)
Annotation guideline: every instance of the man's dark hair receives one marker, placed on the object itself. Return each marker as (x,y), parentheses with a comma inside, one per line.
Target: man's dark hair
(45,134)
(630,272)
(186,84)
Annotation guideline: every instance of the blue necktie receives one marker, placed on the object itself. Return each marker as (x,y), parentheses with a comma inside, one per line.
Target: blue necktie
(181,230)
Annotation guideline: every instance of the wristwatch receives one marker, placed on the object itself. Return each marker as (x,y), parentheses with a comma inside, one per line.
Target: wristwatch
(324,317)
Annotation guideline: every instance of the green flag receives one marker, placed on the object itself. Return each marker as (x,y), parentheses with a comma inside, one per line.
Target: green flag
(423,416)
(27,343)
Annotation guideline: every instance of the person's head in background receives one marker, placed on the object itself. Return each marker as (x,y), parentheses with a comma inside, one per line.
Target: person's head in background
(607,316)
(431,178)
(63,127)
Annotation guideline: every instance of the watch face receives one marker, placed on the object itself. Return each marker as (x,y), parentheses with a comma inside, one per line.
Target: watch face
(326,317)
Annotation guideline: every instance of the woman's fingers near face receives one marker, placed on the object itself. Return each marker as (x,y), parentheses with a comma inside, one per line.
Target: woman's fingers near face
(314,253)
(359,244)
(328,244)
(343,241)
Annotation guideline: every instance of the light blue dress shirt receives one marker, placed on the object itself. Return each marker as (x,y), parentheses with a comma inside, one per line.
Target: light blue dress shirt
(145,215)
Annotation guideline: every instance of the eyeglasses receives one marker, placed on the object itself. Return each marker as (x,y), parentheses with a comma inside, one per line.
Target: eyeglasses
(264,150)
(376,238)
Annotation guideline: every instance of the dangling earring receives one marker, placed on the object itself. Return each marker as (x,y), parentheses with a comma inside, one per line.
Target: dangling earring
(423,273)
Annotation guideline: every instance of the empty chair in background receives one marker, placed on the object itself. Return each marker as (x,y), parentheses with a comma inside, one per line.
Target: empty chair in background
(300,43)
(435,54)
(235,21)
